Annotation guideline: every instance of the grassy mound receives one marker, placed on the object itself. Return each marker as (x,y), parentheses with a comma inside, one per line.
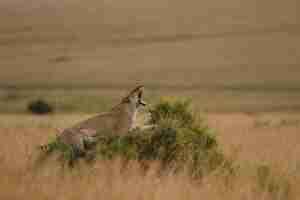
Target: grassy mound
(180,141)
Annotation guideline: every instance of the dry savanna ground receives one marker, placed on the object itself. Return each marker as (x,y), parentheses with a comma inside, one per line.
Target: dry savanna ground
(253,140)
(238,61)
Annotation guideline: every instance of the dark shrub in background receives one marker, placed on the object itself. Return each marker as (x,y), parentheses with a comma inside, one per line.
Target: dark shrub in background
(40,106)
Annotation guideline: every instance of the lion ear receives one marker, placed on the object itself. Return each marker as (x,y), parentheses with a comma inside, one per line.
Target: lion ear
(137,90)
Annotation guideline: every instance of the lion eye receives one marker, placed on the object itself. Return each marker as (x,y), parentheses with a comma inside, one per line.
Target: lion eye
(126,100)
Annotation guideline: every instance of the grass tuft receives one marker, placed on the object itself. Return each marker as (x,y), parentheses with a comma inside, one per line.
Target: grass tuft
(179,142)
(274,184)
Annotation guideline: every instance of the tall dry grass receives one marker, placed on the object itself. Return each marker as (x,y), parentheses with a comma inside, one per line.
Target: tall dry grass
(20,178)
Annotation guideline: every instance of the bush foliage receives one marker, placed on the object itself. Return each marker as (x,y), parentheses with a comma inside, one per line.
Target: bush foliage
(180,141)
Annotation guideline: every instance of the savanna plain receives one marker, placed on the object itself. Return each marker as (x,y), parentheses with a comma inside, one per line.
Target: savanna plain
(236,61)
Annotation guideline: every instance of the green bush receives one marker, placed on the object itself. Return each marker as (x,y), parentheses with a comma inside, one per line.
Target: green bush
(179,141)
(179,111)
(68,154)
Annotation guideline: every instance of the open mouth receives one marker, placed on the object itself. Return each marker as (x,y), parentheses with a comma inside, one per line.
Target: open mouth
(141,102)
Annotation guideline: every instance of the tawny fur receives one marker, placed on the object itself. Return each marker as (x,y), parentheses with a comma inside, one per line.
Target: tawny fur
(119,121)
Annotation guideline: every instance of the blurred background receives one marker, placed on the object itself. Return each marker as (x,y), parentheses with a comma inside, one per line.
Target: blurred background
(228,56)
(237,60)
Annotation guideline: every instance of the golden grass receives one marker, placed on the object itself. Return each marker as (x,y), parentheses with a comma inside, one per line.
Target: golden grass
(21,179)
